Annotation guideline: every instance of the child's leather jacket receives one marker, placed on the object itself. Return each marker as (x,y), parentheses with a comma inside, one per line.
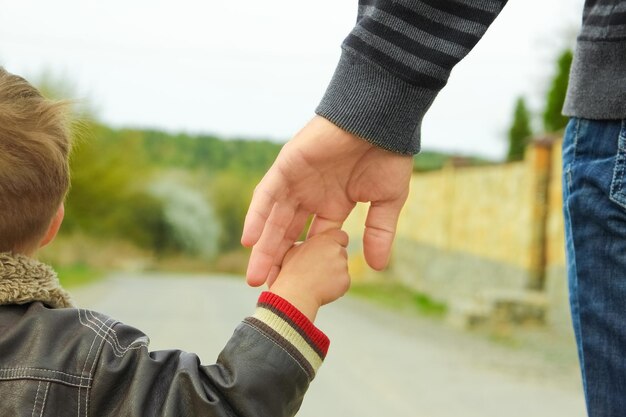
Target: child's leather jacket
(74,362)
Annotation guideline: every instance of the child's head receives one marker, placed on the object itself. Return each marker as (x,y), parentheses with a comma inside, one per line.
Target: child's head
(34,171)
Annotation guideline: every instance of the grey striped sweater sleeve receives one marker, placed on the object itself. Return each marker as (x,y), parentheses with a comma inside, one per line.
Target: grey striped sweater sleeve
(395,61)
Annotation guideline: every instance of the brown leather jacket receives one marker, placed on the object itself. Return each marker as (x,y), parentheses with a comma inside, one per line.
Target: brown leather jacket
(75,362)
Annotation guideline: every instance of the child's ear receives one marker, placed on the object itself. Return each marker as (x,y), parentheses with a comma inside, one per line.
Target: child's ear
(54,227)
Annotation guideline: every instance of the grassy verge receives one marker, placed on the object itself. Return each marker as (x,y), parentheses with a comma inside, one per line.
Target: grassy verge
(399,297)
(78,274)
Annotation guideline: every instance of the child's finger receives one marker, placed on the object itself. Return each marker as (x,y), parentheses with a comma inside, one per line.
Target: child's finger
(339,236)
(321,224)
(289,254)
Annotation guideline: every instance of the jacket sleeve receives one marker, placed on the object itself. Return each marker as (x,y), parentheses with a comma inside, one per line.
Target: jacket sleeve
(264,370)
(395,61)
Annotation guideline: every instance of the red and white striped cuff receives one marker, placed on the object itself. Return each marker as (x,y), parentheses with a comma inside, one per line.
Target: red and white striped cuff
(290,329)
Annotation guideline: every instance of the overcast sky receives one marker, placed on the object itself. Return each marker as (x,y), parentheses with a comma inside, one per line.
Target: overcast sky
(258,69)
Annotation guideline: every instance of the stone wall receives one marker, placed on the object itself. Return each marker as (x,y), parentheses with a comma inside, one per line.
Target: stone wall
(466,231)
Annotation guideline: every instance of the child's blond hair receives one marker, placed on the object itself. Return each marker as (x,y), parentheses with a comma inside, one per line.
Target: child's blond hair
(34,171)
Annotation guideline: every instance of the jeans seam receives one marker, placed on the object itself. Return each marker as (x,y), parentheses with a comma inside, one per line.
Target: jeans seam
(615,191)
(576,134)
(576,300)
(570,164)
(568,173)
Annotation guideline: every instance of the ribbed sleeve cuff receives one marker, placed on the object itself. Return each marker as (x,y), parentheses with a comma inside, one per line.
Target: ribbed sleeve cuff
(291,330)
(597,78)
(372,103)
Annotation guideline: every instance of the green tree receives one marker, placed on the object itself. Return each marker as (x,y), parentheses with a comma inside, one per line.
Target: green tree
(107,176)
(553,120)
(519,132)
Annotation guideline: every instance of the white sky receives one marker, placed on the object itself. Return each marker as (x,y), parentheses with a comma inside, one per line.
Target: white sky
(258,69)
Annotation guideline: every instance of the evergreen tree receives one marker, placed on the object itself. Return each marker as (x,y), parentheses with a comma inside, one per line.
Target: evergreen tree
(553,120)
(519,132)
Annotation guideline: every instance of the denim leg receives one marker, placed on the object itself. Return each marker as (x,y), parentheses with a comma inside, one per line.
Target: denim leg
(594,197)
(569,151)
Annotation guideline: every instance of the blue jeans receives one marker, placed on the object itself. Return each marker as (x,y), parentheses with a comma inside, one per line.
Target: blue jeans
(594,204)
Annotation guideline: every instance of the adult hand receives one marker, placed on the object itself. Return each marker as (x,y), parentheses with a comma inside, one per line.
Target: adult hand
(324,170)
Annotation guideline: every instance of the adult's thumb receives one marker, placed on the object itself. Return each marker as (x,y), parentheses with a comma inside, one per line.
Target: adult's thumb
(380,231)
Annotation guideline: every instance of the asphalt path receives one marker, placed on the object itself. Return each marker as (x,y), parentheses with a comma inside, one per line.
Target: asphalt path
(380,363)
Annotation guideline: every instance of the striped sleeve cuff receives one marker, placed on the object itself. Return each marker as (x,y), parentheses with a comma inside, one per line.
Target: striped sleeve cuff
(276,318)
(370,102)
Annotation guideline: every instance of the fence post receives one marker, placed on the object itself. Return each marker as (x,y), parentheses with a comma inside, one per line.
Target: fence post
(540,165)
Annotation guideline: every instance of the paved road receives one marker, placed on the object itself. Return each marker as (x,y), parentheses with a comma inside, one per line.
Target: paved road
(380,363)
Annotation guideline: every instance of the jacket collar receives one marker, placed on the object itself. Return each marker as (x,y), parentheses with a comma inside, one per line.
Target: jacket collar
(24,280)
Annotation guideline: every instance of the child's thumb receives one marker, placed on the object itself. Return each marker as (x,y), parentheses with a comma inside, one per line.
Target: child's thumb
(338,236)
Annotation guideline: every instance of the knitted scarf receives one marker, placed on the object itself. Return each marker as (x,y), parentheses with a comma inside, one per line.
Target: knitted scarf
(24,280)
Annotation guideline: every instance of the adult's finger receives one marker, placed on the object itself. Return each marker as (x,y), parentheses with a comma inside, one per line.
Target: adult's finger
(322,224)
(271,278)
(380,230)
(294,230)
(263,200)
(265,250)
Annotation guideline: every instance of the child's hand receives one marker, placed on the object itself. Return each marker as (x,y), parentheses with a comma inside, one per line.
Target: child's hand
(314,272)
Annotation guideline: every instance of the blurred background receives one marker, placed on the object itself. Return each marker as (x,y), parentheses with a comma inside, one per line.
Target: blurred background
(182,106)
